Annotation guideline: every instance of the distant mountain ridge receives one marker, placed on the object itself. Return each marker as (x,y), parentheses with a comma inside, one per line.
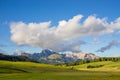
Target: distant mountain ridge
(83,56)
(50,56)
(15,58)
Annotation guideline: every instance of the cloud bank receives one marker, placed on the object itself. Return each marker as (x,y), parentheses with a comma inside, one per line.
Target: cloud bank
(109,46)
(63,37)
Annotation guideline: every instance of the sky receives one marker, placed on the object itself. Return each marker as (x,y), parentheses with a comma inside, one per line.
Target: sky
(61,25)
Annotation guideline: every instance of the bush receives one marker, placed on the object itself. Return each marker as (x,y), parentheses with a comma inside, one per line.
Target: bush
(94,66)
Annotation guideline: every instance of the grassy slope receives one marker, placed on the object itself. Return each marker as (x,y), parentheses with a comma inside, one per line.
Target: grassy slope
(34,71)
(106,66)
(7,66)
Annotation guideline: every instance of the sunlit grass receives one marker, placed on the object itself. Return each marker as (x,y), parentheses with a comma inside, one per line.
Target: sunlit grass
(106,66)
(35,71)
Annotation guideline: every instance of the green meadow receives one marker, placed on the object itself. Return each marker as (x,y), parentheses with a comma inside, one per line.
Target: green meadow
(100,66)
(34,71)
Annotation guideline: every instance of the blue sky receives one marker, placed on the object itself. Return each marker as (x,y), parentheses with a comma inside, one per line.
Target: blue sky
(38,11)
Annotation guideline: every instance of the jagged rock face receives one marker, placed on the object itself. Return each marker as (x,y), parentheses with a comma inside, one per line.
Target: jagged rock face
(55,56)
(83,56)
(47,52)
(44,54)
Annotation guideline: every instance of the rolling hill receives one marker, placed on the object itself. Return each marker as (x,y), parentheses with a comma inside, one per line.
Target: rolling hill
(34,71)
(100,66)
(9,67)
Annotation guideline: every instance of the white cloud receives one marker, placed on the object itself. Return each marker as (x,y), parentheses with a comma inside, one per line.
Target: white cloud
(59,37)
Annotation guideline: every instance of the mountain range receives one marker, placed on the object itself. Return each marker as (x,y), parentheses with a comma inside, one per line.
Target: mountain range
(52,57)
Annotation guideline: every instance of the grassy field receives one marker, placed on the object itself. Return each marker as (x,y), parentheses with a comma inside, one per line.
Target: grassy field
(100,66)
(34,71)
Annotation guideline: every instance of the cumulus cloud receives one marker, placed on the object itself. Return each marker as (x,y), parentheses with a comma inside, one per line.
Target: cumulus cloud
(109,46)
(59,37)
